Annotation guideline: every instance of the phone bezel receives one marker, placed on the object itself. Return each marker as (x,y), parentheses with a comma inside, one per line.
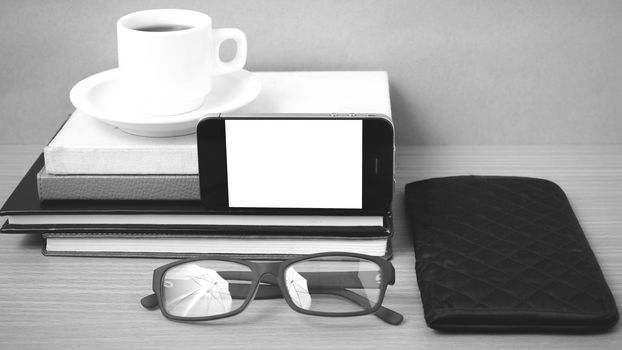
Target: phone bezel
(378,164)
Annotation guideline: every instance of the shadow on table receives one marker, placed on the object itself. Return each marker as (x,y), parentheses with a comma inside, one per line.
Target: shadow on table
(566,332)
(33,241)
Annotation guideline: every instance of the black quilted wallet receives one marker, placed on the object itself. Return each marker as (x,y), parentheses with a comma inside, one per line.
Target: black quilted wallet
(496,253)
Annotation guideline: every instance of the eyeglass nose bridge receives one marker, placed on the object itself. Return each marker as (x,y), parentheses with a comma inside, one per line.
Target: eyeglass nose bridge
(268,268)
(267,273)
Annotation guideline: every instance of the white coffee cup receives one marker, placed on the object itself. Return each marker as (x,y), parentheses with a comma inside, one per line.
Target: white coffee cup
(168,57)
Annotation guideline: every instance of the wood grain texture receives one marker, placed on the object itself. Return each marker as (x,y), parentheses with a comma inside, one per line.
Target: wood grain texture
(74,303)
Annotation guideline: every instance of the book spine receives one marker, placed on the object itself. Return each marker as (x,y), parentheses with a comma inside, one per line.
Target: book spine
(111,161)
(117,187)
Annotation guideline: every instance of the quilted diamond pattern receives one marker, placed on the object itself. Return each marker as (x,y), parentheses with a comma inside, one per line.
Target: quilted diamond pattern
(504,253)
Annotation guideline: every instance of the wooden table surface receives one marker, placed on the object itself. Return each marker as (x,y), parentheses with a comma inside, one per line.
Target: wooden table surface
(61,302)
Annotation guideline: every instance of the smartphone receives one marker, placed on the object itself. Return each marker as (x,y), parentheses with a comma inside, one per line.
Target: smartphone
(297,162)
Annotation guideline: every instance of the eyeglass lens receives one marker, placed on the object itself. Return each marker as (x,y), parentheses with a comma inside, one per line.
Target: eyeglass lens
(205,288)
(334,284)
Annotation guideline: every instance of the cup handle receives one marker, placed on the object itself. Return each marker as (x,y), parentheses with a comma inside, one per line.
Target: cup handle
(238,62)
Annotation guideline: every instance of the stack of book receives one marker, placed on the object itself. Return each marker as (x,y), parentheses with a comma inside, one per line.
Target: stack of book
(98,191)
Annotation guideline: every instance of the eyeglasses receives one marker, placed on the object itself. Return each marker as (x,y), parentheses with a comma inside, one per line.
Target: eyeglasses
(325,284)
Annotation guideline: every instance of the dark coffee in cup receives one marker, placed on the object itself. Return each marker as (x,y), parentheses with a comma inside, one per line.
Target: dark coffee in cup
(162,28)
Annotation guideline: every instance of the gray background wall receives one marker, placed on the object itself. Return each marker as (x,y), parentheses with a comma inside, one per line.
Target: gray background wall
(461,72)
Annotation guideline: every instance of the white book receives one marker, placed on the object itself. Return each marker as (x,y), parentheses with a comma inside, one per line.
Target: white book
(94,244)
(85,145)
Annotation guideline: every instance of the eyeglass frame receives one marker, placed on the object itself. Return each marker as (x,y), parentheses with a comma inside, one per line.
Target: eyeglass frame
(277,269)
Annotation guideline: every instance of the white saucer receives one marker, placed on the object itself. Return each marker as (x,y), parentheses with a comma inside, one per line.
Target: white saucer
(100,97)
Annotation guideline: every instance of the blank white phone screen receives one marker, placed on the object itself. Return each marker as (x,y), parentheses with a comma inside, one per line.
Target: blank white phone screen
(295,163)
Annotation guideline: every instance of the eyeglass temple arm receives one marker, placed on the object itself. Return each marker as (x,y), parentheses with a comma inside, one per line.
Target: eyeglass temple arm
(344,279)
(336,284)
(270,291)
(237,291)
(387,315)
(150,302)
